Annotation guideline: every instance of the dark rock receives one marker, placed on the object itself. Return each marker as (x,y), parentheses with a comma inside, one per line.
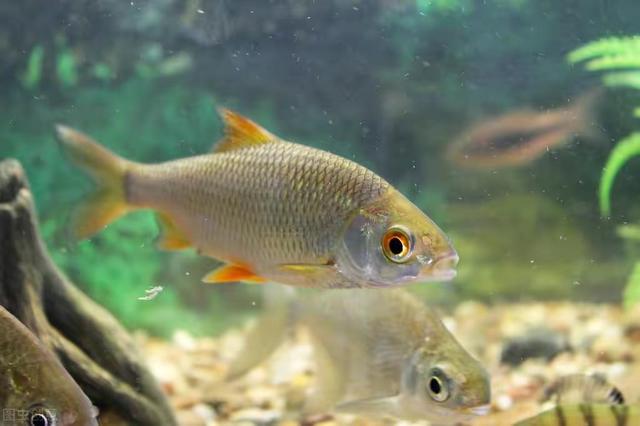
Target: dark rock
(536,343)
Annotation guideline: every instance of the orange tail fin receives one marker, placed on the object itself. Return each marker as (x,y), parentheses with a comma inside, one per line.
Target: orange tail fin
(107,202)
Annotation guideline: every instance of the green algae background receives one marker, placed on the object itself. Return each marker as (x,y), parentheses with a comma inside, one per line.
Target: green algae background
(388,84)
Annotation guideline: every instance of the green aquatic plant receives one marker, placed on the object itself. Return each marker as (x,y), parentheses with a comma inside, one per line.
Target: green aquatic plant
(632,290)
(629,232)
(33,72)
(623,79)
(67,68)
(102,71)
(619,59)
(620,155)
(102,270)
(610,55)
(154,62)
(609,47)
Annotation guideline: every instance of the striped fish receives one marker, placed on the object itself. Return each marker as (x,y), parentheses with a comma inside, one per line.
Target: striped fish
(586,415)
(585,400)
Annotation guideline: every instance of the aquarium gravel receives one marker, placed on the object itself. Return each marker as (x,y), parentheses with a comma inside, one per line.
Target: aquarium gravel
(601,339)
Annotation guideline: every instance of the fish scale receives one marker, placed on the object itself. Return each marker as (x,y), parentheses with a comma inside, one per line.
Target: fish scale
(255,192)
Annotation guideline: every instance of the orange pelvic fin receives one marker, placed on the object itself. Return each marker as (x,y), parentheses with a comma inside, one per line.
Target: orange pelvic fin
(170,238)
(233,273)
(240,132)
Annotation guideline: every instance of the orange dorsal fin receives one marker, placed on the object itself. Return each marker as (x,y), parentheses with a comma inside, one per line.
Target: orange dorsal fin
(240,132)
(232,273)
(170,238)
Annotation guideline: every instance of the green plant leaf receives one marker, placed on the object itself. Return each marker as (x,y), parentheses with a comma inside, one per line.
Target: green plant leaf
(103,72)
(33,73)
(614,62)
(629,232)
(623,79)
(66,68)
(623,151)
(609,46)
(631,294)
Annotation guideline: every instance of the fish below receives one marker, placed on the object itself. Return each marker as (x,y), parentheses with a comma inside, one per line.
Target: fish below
(520,137)
(378,354)
(583,400)
(35,389)
(271,210)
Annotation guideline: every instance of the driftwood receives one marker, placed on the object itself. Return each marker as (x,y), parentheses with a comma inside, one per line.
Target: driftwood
(91,344)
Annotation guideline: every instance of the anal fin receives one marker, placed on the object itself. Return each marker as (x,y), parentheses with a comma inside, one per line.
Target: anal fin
(233,273)
(170,238)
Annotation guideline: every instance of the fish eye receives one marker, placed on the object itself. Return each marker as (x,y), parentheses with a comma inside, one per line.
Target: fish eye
(437,388)
(397,244)
(38,419)
(41,417)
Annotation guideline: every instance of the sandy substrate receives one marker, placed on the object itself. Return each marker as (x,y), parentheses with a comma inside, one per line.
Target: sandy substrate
(600,338)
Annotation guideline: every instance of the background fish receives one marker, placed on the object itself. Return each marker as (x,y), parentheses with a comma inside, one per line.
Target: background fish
(523,136)
(272,210)
(378,354)
(586,415)
(583,388)
(34,387)
(585,400)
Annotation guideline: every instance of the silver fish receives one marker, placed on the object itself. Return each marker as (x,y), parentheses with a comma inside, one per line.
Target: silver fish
(378,353)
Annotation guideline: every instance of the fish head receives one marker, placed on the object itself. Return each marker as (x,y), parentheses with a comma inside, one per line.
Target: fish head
(44,394)
(446,388)
(52,414)
(391,242)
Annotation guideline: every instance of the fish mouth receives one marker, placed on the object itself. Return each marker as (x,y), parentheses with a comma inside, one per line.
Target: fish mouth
(443,268)
(480,410)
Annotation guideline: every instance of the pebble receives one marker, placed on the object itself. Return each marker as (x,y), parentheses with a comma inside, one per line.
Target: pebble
(504,402)
(205,412)
(255,416)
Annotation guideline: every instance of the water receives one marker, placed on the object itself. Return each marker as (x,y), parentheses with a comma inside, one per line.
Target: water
(391,85)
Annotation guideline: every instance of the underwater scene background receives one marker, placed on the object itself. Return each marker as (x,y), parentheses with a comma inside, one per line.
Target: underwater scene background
(390,84)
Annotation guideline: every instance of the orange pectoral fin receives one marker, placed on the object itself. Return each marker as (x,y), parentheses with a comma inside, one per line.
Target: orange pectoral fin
(233,273)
